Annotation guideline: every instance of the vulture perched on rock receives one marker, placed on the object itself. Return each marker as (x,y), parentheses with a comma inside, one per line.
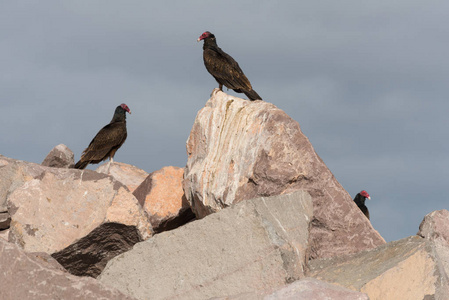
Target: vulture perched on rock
(107,141)
(224,68)
(360,201)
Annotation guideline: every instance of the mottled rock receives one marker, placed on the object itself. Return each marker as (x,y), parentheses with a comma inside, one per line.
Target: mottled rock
(38,276)
(162,197)
(258,244)
(59,157)
(402,270)
(129,175)
(53,211)
(238,150)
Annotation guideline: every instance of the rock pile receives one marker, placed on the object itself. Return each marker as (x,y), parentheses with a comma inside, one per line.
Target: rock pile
(255,214)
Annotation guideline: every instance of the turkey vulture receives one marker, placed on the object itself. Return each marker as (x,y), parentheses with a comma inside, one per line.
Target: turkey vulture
(107,141)
(360,201)
(224,68)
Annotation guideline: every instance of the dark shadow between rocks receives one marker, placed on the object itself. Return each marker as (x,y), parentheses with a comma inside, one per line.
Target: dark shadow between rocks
(89,255)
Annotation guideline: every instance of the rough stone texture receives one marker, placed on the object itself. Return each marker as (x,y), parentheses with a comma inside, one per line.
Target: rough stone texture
(89,255)
(51,211)
(38,276)
(128,175)
(162,197)
(59,157)
(240,149)
(435,227)
(13,174)
(313,289)
(402,270)
(4,234)
(255,245)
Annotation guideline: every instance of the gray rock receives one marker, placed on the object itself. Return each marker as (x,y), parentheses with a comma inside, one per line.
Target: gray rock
(59,157)
(239,150)
(259,244)
(37,276)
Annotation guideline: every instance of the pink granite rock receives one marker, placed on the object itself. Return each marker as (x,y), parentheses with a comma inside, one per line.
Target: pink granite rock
(239,150)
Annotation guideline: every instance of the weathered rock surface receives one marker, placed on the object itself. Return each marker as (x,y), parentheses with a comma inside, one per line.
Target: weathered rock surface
(129,175)
(258,244)
(162,197)
(38,276)
(240,149)
(59,157)
(435,227)
(13,174)
(63,205)
(402,270)
(53,208)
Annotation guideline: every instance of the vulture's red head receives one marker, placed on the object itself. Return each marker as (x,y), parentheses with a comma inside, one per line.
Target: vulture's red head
(125,107)
(365,194)
(205,35)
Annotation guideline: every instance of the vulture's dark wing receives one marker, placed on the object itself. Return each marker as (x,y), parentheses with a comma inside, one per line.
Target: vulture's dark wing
(225,69)
(108,138)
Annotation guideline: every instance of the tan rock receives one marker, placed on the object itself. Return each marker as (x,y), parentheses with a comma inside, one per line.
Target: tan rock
(239,150)
(256,245)
(403,270)
(51,212)
(162,197)
(57,210)
(128,175)
(38,276)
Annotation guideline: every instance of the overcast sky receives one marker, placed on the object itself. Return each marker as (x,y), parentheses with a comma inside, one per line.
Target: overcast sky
(366,80)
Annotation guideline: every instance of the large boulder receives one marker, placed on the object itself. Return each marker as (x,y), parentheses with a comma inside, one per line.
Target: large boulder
(54,210)
(407,269)
(162,197)
(256,245)
(38,276)
(59,157)
(240,149)
(129,175)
